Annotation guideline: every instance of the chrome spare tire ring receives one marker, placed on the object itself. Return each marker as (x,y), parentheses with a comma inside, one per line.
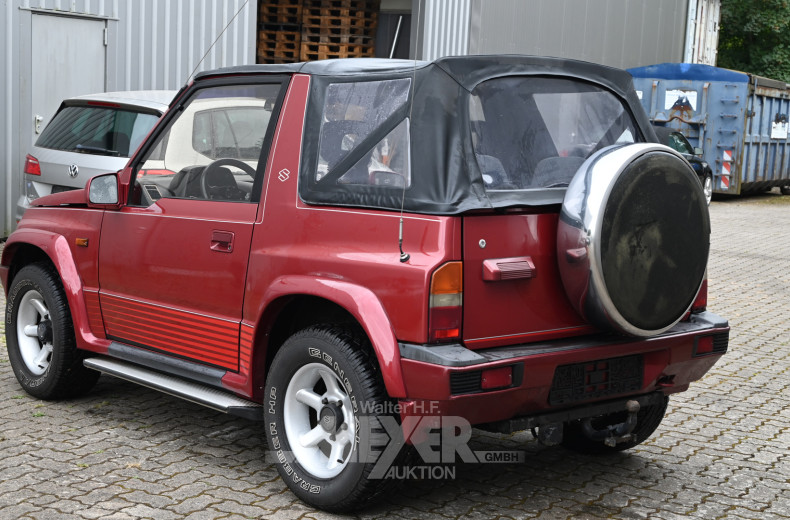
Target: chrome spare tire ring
(633,239)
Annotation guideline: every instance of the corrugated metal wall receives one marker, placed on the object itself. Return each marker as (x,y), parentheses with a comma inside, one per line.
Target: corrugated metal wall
(620,33)
(444,28)
(152,44)
(159,42)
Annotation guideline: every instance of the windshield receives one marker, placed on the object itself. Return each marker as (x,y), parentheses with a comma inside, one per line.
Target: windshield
(97,130)
(537,133)
(677,141)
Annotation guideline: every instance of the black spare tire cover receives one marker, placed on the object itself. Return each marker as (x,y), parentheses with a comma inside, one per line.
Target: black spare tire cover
(633,239)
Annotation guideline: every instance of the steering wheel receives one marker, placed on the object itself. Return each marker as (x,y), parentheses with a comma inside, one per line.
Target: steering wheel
(207,189)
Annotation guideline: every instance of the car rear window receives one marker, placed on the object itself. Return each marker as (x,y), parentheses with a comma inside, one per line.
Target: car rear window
(537,133)
(97,130)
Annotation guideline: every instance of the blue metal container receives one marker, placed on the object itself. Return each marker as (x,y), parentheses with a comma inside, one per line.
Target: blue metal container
(739,120)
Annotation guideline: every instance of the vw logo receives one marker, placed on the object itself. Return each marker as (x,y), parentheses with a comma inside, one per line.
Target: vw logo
(73,171)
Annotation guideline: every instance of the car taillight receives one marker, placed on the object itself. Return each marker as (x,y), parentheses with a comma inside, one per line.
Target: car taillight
(704,346)
(701,301)
(32,166)
(445,309)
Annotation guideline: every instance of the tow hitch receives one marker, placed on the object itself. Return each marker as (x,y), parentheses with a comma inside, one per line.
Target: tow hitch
(614,433)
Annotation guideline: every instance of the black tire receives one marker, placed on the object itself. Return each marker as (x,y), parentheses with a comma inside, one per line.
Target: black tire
(648,419)
(785,190)
(317,353)
(36,299)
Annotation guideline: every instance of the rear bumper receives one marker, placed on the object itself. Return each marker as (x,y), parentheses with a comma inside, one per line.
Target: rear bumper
(446,380)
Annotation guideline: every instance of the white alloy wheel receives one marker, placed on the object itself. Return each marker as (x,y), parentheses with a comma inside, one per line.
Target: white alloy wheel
(707,187)
(319,420)
(34,333)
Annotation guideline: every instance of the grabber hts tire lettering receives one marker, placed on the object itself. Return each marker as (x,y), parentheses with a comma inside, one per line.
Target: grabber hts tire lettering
(319,387)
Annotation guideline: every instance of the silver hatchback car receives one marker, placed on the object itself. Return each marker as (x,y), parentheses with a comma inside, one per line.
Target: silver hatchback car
(89,135)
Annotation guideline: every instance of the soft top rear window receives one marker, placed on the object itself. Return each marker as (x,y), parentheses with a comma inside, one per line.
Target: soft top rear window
(97,130)
(536,132)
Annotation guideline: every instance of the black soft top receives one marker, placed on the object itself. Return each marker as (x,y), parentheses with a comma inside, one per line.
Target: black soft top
(468,71)
(446,178)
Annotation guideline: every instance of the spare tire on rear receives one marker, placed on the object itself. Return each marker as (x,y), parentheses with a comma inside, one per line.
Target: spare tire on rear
(633,239)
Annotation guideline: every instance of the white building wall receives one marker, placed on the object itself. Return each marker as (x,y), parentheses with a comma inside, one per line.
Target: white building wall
(619,33)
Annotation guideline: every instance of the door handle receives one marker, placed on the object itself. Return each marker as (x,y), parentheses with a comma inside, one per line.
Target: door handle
(500,269)
(222,241)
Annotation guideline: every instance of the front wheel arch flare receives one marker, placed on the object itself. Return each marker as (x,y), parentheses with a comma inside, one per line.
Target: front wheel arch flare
(55,250)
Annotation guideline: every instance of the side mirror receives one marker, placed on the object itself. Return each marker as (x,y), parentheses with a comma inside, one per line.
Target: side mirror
(103,190)
(697,150)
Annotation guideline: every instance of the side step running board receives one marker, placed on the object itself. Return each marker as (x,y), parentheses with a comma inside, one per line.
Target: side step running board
(200,394)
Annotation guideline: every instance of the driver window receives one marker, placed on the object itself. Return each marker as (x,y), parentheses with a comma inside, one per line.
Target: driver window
(210,151)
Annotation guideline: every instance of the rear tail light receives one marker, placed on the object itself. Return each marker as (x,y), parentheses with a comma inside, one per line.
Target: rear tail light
(704,345)
(445,309)
(496,378)
(717,343)
(32,167)
(701,301)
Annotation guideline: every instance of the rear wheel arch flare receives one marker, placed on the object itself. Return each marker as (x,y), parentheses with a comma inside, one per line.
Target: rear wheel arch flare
(343,302)
(290,314)
(287,315)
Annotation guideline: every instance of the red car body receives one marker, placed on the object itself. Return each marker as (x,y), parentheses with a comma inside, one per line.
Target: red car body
(222,285)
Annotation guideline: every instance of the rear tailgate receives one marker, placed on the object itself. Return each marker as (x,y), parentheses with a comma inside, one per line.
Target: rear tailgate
(512,287)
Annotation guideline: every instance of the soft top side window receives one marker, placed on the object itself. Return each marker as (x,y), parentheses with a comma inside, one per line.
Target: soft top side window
(353,112)
(211,150)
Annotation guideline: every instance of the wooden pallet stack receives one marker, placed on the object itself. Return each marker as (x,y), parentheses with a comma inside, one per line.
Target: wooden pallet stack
(279,31)
(339,28)
(306,30)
